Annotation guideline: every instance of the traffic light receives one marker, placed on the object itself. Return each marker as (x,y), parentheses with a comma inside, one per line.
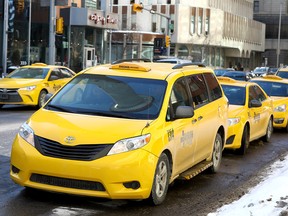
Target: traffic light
(167,41)
(137,7)
(59,25)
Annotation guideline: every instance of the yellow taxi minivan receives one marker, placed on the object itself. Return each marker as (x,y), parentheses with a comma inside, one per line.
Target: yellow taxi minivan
(250,114)
(124,131)
(28,85)
(277,88)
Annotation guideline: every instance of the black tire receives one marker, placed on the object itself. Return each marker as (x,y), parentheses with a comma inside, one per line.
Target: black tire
(269,131)
(161,181)
(244,142)
(41,98)
(286,128)
(217,154)
(1,105)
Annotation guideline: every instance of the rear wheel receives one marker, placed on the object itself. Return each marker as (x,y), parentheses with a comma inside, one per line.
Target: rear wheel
(161,180)
(244,142)
(217,154)
(269,131)
(41,98)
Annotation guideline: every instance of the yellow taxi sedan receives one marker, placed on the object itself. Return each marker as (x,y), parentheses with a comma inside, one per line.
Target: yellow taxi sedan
(28,85)
(277,88)
(250,113)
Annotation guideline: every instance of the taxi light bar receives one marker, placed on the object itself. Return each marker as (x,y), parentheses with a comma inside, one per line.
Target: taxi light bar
(39,64)
(226,79)
(130,66)
(272,77)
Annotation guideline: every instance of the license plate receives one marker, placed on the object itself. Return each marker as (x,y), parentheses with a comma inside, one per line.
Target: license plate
(3,96)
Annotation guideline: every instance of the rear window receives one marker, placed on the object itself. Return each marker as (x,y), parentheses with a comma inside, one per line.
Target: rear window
(274,88)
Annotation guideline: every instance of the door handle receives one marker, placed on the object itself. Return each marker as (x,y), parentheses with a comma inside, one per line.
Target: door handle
(199,118)
(194,121)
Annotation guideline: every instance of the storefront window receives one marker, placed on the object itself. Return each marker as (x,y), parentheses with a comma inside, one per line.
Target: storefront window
(76,47)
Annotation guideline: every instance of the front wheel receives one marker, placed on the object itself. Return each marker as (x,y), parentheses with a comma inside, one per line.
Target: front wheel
(217,154)
(269,131)
(161,180)
(41,98)
(244,142)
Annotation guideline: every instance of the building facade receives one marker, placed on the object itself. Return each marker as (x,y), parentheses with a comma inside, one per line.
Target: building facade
(26,37)
(274,13)
(219,33)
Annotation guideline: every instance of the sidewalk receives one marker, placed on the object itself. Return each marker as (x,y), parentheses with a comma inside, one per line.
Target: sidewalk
(268,198)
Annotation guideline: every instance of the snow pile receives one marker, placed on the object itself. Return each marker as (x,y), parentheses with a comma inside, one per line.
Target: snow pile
(269,198)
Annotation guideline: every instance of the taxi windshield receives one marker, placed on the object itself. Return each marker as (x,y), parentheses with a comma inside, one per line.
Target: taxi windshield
(274,88)
(116,96)
(29,73)
(235,94)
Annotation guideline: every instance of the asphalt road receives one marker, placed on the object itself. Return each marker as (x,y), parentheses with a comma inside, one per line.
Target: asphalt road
(198,196)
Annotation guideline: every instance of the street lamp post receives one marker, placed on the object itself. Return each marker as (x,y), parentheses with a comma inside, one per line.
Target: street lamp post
(51,59)
(279,33)
(5,39)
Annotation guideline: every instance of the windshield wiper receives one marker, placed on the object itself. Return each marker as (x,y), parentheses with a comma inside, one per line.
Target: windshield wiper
(57,108)
(105,114)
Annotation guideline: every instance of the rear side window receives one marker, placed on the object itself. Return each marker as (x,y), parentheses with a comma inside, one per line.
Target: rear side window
(213,86)
(198,90)
(256,93)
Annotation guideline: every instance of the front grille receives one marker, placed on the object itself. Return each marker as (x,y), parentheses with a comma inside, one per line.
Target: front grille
(83,152)
(10,95)
(67,183)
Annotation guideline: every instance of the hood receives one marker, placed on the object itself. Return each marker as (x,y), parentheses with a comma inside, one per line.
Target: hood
(234,110)
(18,83)
(85,129)
(278,100)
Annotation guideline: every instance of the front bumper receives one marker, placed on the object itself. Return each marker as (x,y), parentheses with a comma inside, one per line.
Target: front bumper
(121,176)
(234,137)
(280,120)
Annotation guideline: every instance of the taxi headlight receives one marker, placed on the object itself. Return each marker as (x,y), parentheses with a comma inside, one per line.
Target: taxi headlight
(126,145)
(281,108)
(27,133)
(28,88)
(233,121)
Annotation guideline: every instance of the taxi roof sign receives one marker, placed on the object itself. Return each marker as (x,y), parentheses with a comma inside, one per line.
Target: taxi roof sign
(226,79)
(39,64)
(272,77)
(130,66)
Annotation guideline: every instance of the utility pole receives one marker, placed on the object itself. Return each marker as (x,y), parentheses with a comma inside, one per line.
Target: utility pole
(51,59)
(279,33)
(140,7)
(5,40)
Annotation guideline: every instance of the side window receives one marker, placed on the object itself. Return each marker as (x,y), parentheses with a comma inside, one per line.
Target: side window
(259,94)
(198,89)
(55,75)
(213,86)
(252,94)
(66,73)
(179,97)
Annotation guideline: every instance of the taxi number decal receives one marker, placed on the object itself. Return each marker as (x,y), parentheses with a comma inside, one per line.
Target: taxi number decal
(170,134)
(256,117)
(56,87)
(186,138)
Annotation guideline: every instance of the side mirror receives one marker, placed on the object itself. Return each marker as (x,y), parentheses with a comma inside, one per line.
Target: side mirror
(184,112)
(255,103)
